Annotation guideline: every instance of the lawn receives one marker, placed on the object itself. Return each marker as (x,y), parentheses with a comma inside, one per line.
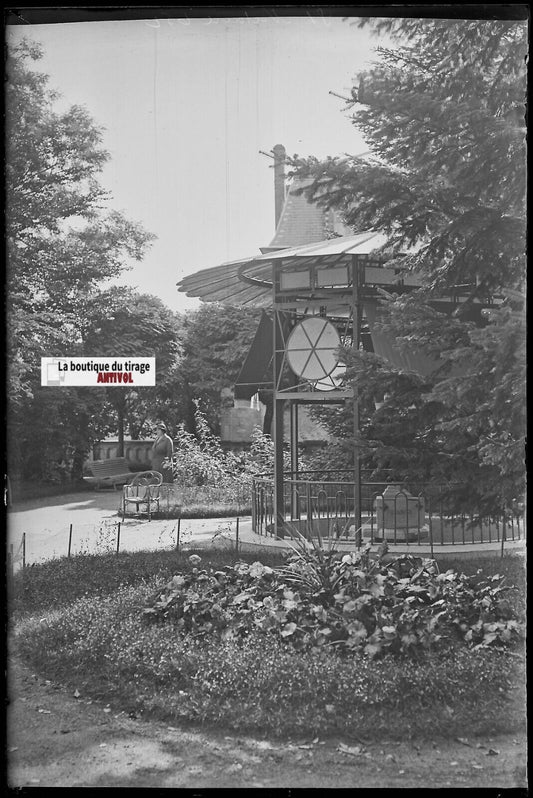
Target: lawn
(140,631)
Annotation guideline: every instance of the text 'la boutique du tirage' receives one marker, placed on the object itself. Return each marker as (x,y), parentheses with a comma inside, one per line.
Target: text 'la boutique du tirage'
(77,371)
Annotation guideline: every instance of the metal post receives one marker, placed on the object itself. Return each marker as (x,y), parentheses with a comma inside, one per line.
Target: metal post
(254,505)
(178,535)
(279,503)
(356,321)
(23,550)
(309,520)
(69,540)
(237,536)
(294,459)
(118,537)
(277,360)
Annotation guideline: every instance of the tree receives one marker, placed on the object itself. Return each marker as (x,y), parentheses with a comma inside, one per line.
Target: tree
(443,116)
(63,243)
(120,322)
(442,112)
(216,340)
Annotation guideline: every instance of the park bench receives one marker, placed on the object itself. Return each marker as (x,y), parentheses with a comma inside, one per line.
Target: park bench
(109,473)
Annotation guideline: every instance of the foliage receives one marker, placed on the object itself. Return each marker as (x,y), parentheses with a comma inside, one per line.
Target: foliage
(49,443)
(85,630)
(120,320)
(216,339)
(60,582)
(354,603)
(442,113)
(200,460)
(99,646)
(63,243)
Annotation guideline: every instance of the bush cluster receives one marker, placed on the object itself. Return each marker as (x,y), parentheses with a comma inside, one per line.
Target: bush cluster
(60,582)
(88,630)
(351,602)
(200,461)
(100,646)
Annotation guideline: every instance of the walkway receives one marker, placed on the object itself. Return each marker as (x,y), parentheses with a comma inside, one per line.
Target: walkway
(88,522)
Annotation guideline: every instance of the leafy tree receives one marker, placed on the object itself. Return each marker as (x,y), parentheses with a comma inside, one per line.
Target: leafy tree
(216,340)
(51,441)
(63,243)
(442,112)
(121,322)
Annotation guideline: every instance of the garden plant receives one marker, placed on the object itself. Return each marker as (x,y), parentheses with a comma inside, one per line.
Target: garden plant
(316,642)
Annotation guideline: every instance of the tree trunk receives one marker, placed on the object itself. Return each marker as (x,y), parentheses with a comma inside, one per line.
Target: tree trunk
(120,425)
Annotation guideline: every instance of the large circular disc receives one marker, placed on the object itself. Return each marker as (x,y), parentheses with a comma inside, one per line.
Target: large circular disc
(332,381)
(312,350)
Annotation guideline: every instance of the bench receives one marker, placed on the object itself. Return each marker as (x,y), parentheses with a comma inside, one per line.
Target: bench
(109,473)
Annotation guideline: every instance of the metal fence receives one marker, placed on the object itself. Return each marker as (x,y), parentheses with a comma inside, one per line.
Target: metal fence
(412,513)
(116,537)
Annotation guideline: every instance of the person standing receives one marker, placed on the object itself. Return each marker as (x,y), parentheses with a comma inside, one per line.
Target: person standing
(162,449)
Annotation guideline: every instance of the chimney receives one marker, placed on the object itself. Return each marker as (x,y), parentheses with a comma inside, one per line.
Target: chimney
(279,180)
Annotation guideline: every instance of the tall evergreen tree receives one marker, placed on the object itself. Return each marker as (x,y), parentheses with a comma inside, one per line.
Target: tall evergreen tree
(442,112)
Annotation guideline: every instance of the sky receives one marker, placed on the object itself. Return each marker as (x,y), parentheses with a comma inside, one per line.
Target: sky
(187,105)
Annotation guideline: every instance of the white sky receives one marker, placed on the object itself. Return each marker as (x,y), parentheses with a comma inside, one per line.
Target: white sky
(187,105)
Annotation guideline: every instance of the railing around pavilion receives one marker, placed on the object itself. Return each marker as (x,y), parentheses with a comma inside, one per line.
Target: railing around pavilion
(400,512)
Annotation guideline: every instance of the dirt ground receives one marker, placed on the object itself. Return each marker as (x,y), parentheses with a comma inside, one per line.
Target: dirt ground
(56,739)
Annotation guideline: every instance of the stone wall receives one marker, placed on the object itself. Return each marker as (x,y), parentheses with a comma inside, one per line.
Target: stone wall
(137,453)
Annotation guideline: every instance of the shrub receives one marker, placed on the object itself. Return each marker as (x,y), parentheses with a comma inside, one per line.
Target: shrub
(258,683)
(200,461)
(61,582)
(351,602)
(253,679)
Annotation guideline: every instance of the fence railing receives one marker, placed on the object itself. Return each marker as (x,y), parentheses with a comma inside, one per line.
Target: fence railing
(116,537)
(411,513)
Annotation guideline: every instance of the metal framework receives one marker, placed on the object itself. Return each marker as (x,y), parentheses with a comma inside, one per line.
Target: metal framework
(338,279)
(313,287)
(335,288)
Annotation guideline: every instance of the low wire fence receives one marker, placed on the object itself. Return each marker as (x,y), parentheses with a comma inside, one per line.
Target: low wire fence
(115,537)
(411,513)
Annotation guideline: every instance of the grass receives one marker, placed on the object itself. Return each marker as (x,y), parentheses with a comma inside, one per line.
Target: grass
(203,501)
(60,582)
(79,622)
(198,502)
(193,509)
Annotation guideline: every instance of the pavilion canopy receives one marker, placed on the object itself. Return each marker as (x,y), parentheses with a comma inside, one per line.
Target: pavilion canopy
(248,282)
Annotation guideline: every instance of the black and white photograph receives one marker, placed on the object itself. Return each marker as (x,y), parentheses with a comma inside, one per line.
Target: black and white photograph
(265,343)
